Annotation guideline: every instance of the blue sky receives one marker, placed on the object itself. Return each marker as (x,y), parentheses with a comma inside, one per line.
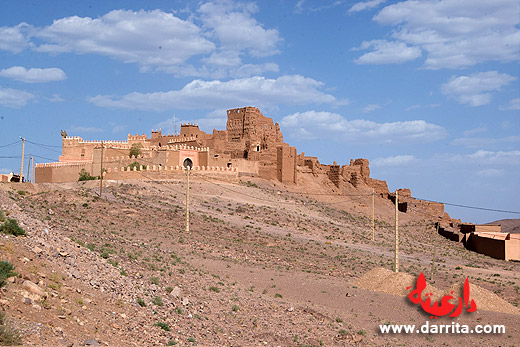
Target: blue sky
(428,91)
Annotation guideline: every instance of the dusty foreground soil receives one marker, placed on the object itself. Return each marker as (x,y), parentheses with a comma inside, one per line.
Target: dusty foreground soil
(262,265)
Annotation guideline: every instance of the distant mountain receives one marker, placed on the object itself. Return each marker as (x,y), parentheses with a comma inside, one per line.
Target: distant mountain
(508,225)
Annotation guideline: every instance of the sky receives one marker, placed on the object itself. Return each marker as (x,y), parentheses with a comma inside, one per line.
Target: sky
(428,91)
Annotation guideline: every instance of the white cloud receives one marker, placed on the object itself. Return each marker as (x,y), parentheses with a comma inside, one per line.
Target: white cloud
(259,91)
(387,52)
(474,89)
(33,75)
(236,30)
(371,107)
(14,98)
(496,157)
(455,33)
(513,104)
(366,5)
(82,129)
(481,159)
(211,42)
(56,98)
(14,39)
(479,142)
(396,160)
(150,38)
(316,125)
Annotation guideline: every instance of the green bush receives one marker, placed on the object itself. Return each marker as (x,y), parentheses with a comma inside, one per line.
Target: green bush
(163,326)
(141,302)
(135,150)
(157,301)
(6,271)
(86,176)
(11,227)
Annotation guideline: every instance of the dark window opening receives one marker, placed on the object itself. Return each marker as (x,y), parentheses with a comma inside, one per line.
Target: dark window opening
(187,163)
(228,164)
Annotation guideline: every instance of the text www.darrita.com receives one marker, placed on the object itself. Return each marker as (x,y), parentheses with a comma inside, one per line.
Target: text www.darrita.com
(453,328)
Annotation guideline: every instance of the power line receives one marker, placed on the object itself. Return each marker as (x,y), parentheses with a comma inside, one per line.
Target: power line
(42,144)
(471,207)
(10,144)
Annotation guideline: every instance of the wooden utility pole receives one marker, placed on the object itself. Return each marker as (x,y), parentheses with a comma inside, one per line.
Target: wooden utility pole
(101,171)
(23,153)
(434,254)
(29,168)
(396,269)
(373,221)
(188,168)
(32,176)
(117,182)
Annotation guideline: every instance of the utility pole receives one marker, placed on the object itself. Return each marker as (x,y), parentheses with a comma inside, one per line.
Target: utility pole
(434,254)
(373,222)
(188,168)
(101,169)
(21,166)
(118,173)
(28,168)
(396,269)
(32,176)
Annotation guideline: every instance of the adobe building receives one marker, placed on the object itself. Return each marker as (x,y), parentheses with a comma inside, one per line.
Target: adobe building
(251,145)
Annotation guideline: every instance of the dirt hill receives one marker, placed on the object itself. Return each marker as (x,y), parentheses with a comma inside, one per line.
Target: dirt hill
(263,264)
(508,225)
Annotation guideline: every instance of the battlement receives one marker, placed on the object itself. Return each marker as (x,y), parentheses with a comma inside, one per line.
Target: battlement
(193,148)
(61,164)
(182,139)
(242,110)
(189,125)
(79,140)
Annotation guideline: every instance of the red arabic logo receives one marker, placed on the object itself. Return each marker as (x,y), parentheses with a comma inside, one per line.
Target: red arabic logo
(445,307)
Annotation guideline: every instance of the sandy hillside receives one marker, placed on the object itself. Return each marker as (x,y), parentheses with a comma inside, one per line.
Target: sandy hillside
(262,265)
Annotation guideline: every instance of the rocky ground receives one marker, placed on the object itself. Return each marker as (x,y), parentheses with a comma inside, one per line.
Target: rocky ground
(262,265)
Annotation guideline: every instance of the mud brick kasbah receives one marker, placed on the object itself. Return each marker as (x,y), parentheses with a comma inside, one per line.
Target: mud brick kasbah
(252,145)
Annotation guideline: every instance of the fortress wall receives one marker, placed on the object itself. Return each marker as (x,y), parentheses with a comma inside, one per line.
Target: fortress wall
(60,173)
(513,247)
(334,174)
(267,166)
(380,187)
(495,248)
(243,165)
(286,163)
(488,228)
